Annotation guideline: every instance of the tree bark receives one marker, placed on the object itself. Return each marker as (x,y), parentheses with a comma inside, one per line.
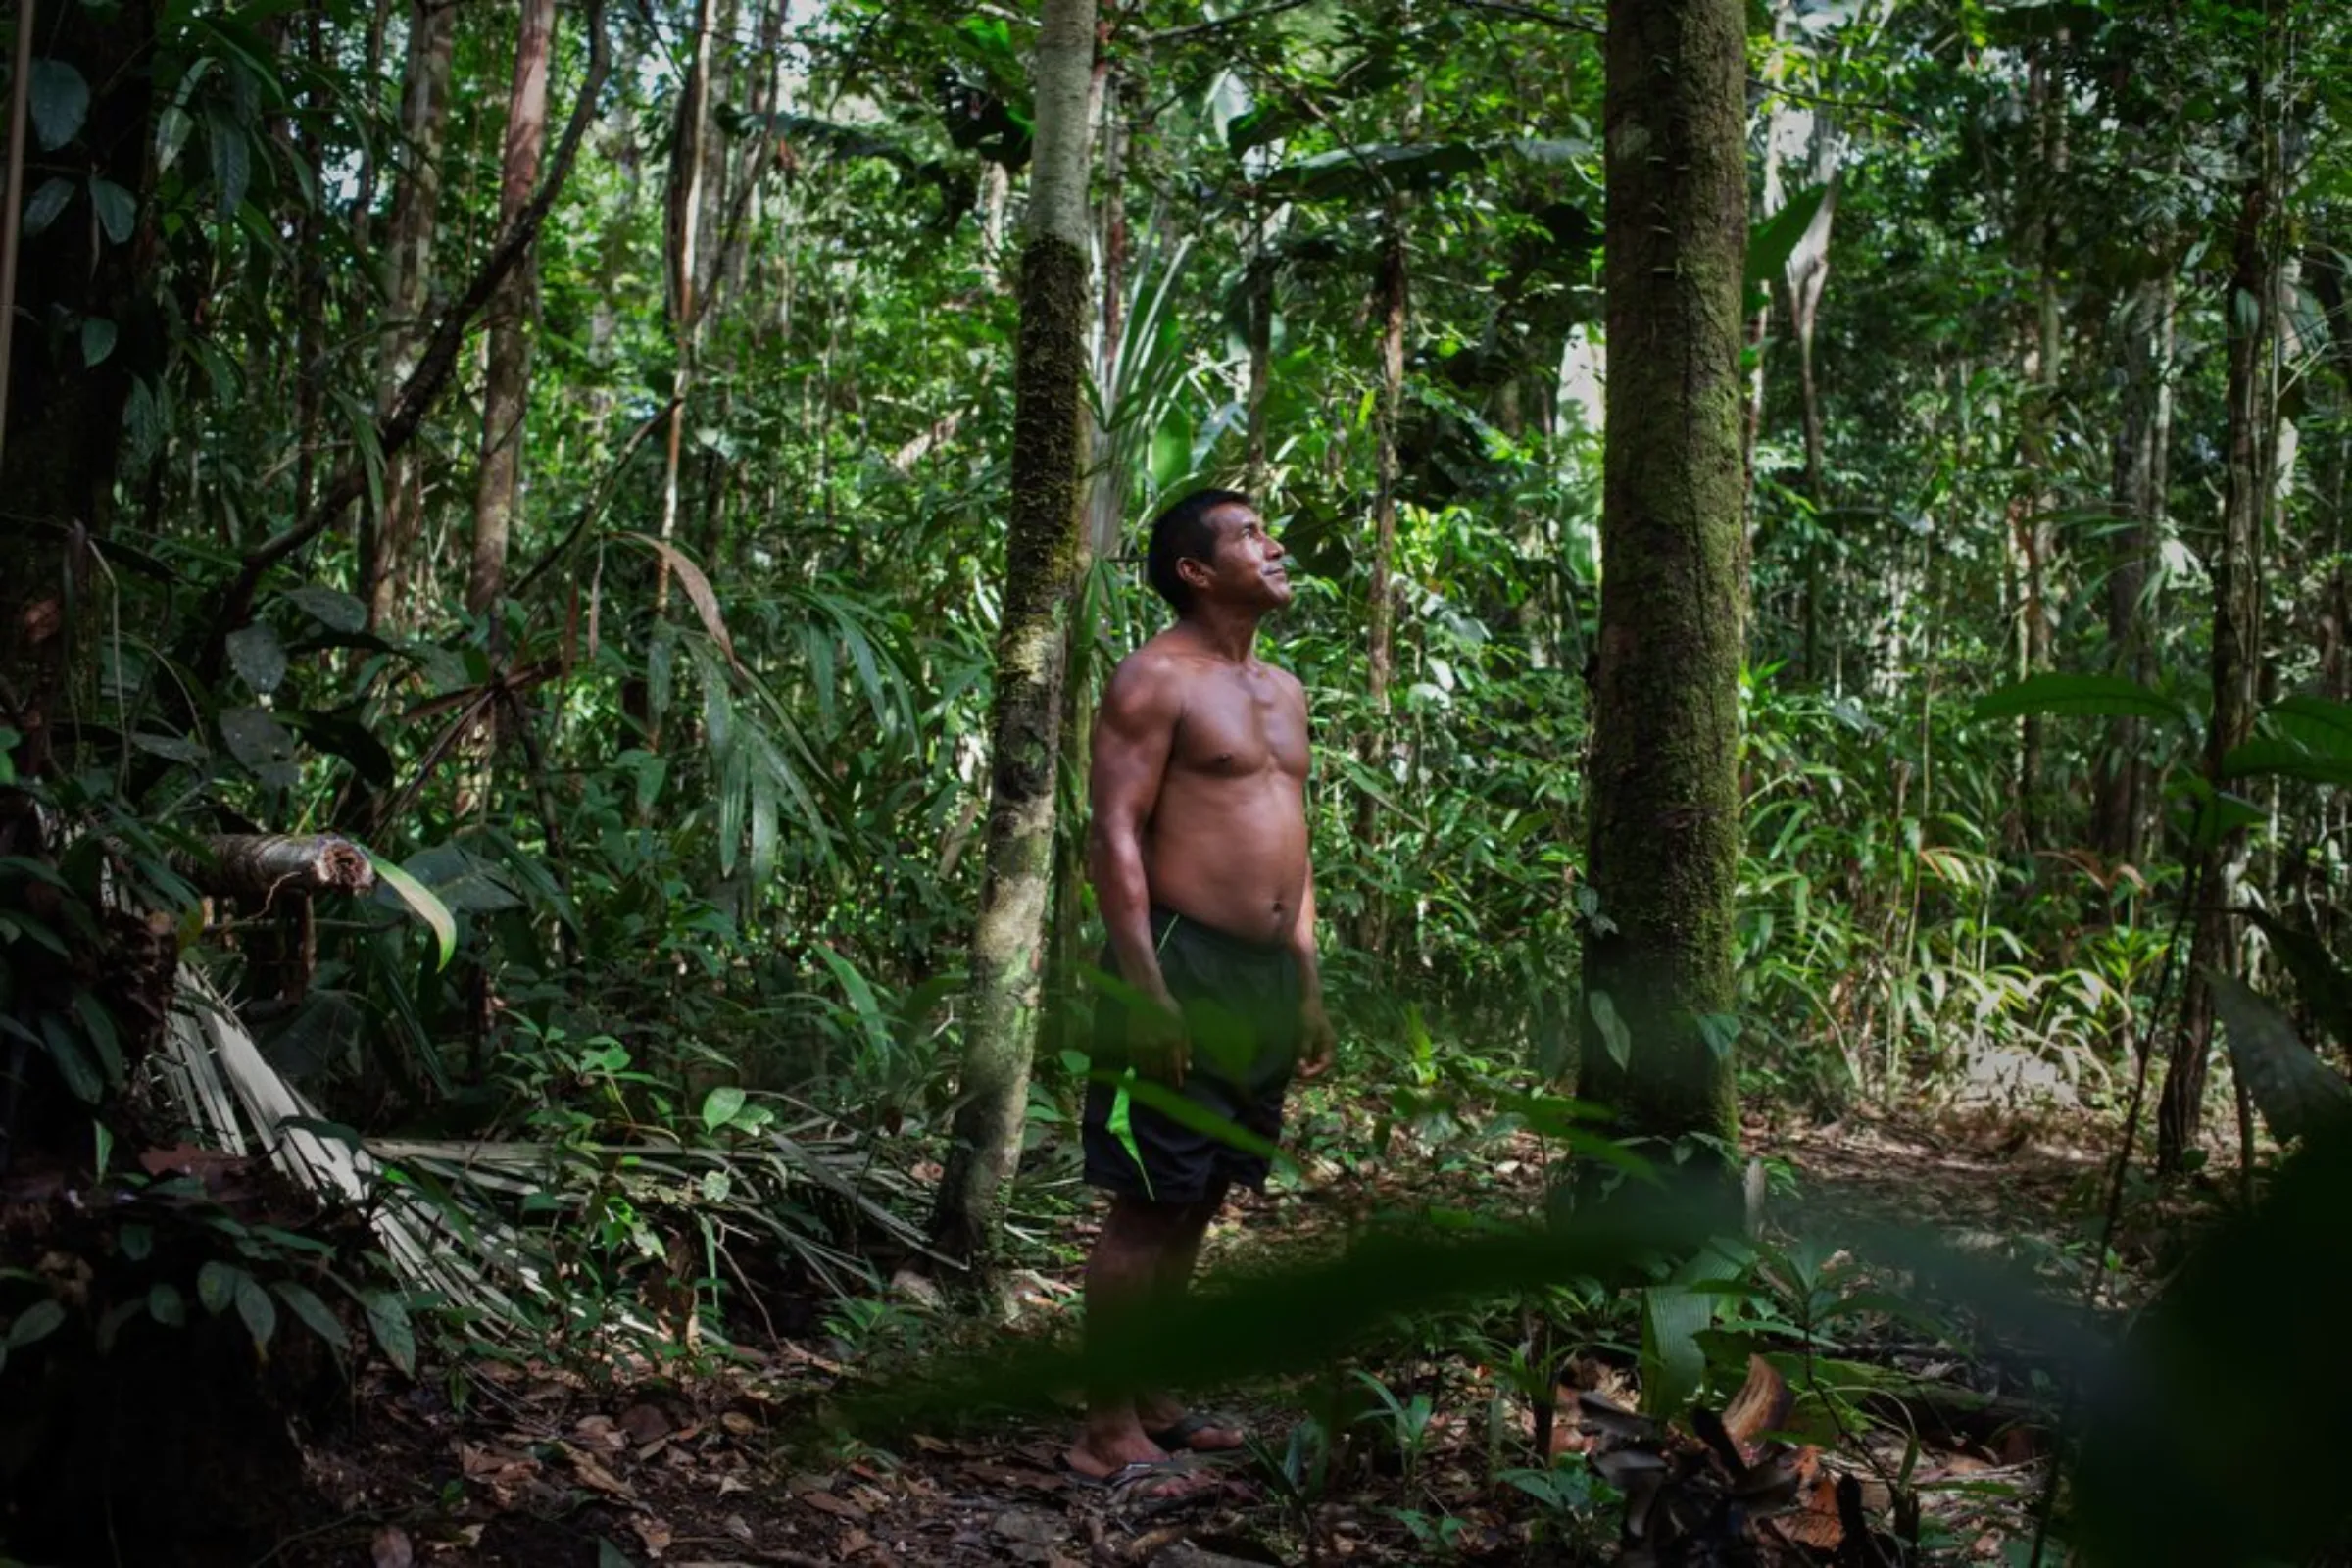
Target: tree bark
(2251,314)
(2144,434)
(1381,609)
(2036,529)
(1664,846)
(1043,552)
(388,545)
(264,864)
(63,418)
(687,149)
(505,392)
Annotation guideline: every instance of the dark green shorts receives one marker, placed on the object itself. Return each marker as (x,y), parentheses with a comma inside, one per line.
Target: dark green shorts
(1240,1000)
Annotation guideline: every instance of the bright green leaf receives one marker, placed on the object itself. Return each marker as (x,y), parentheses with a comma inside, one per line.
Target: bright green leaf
(420,901)
(388,1320)
(721,1106)
(2078,696)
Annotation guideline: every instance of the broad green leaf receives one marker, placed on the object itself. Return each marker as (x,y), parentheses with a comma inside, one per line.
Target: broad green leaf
(314,1312)
(721,1106)
(233,160)
(257,656)
(117,208)
(258,1312)
(254,738)
(2265,758)
(1614,1035)
(330,608)
(2078,696)
(37,1323)
(861,994)
(172,124)
(2318,725)
(136,1243)
(60,100)
(217,1285)
(388,1321)
(166,1306)
(1773,241)
(2325,987)
(2295,1092)
(421,900)
(97,340)
(71,1062)
(47,202)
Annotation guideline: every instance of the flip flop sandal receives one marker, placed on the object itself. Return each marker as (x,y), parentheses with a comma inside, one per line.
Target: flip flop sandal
(1129,1481)
(1190,1425)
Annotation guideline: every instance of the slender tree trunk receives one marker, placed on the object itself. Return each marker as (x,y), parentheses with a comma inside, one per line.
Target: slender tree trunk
(1105,504)
(1380,611)
(1664,790)
(685,222)
(1043,552)
(2143,431)
(505,393)
(310,290)
(388,545)
(1261,287)
(2037,531)
(2251,315)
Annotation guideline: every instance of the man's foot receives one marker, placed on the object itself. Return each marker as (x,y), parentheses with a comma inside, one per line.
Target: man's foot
(1194,1431)
(1153,1475)
(1169,1424)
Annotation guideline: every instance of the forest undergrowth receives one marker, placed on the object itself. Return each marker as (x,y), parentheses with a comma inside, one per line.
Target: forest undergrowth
(1428,1441)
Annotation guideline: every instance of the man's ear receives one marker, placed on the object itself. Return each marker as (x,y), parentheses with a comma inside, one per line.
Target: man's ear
(1193,569)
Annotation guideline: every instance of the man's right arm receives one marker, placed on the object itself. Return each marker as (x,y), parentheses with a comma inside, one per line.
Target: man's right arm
(1133,736)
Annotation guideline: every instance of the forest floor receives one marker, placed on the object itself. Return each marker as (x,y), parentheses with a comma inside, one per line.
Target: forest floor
(545,1467)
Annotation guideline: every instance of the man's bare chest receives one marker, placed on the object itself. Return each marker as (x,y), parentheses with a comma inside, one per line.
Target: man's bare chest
(1237,725)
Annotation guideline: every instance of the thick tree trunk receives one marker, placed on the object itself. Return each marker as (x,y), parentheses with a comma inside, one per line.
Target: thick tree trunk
(1664,790)
(63,418)
(2235,568)
(505,392)
(1041,557)
(388,546)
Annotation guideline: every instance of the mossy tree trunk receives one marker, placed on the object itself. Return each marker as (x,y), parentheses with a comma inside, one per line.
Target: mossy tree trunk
(1664,792)
(1043,555)
(2237,572)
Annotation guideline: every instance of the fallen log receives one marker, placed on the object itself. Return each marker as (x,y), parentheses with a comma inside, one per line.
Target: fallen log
(266,865)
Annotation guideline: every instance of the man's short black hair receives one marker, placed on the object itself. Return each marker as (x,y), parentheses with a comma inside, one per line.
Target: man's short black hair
(1181,532)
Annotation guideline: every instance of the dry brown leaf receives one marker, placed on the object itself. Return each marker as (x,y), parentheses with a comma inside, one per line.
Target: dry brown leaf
(1761,1405)
(645,1423)
(391,1548)
(738,1424)
(592,1471)
(838,1507)
(735,1525)
(931,1444)
(655,1533)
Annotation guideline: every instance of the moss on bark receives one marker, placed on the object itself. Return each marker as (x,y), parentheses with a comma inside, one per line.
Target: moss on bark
(1042,558)
(1664,847)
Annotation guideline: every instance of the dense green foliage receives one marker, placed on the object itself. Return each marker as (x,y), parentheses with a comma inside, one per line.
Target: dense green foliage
(681,842)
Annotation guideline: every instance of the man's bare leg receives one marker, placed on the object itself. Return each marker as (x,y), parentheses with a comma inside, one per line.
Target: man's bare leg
(1158,1410)
(1124,1274)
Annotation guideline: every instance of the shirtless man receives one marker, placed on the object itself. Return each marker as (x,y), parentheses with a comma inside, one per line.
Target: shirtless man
(1198,859)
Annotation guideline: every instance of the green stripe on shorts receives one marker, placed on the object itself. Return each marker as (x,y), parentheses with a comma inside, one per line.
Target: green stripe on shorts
(1120,1124)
